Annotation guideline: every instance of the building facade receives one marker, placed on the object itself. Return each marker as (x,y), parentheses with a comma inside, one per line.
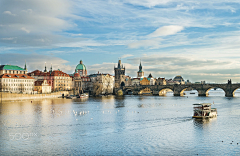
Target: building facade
(14,79)
(135,81)
(145,81)
(57,79)
(179,79)
(103,82)
(161,81)
(42,86)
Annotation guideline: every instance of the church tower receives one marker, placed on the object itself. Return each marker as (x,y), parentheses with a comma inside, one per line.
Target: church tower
(140,73)
(25,68)
(119,75)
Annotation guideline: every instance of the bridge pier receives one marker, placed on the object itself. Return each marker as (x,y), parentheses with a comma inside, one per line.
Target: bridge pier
(227,94)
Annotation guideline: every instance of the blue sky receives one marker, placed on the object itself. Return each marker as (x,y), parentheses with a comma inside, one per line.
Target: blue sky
(196,39)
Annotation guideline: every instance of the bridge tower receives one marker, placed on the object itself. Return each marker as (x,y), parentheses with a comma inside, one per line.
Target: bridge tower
(119,75)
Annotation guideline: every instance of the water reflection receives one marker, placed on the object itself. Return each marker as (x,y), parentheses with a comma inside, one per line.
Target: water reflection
(129,125)
(203,123)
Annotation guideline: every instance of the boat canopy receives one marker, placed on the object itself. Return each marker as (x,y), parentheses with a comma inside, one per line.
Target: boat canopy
(203,104)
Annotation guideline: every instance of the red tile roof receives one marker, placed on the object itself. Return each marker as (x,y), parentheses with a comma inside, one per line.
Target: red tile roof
(53,73)
(39,83)
(16,76)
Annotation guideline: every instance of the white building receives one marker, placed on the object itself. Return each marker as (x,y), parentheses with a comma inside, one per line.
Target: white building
(14,79)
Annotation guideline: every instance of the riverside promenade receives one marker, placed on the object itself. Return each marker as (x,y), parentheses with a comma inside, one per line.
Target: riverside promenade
(14,96)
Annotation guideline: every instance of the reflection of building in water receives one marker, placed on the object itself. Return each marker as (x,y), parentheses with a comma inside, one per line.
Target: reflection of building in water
(145,91)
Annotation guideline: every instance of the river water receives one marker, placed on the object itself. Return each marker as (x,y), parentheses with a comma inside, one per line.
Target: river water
(129,125)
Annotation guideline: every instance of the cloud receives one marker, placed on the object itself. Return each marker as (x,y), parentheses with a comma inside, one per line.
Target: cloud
(38,19)
(126,55)
(147,3)
(24,29)
(195,69)
(154,43)
(36,61)
(9,13)
(166,30)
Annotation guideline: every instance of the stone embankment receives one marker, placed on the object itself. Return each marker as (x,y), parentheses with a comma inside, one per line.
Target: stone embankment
(15,96)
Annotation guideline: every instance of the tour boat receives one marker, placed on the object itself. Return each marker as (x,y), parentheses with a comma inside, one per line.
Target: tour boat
(204,110)
(84,95)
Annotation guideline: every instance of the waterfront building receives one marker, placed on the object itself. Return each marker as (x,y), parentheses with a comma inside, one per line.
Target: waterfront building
(77,84)
(14,79)
(151,79)
(81,69)
(42,86)
(179,79)
(128,81)
(135,81)
(119,75)
(86,83)
(103,81)
(145,81)
(161,81)
(12,69)
(140,73)
(172,82)
(57,79)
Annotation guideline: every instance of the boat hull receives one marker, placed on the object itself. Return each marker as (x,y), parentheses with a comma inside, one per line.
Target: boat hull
(204,117)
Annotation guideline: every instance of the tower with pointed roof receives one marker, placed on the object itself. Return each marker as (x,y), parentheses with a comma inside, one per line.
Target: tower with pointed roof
(51,68)
(140,73)
(45,70)
(119,75)
(25,67)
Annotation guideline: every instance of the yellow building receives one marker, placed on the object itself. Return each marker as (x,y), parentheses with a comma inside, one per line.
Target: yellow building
(144,81)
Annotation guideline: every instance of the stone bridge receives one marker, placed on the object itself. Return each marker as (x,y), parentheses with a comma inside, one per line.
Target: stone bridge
(178,90)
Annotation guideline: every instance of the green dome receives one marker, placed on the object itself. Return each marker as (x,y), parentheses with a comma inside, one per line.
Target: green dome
(81,66)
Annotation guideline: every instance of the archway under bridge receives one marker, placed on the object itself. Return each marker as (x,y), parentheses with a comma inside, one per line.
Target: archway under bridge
(165,92)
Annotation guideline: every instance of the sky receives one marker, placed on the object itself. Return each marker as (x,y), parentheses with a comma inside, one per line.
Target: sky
(199,40)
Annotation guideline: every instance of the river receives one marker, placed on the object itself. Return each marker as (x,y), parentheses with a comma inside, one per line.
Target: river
(129,125)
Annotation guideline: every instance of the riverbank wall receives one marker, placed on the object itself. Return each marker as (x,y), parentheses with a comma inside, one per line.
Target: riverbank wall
(14,96)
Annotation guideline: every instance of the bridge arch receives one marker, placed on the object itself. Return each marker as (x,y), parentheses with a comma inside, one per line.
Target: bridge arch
(164,91)
(215,88)
(128,91)
(234,92)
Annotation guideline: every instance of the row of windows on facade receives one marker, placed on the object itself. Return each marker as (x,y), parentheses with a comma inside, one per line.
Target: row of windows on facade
(14,72)
(15,80)
(62,77)
(15,89)
(61,85)
(17,84)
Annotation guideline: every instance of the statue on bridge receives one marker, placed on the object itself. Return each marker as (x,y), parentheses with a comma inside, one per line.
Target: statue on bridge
(230,81)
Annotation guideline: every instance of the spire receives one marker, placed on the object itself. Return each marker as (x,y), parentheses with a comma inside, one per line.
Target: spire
(25,67)
(51,68)
(140,67)
(45,68)
(119,63)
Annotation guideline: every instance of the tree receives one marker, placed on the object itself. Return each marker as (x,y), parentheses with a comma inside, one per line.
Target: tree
(97,88)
